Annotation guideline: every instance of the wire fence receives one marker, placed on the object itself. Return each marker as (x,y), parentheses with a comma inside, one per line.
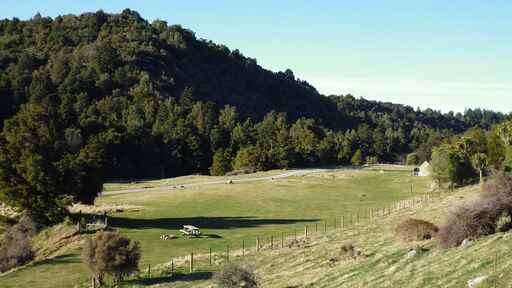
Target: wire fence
(202,265)
(199,265)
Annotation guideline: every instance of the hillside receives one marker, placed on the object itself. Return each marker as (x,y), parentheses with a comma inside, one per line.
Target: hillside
(157,93)
(383,260)
(111,96)
(118,50)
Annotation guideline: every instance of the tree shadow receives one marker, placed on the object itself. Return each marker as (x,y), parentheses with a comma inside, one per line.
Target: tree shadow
(61,259)
(201,222)
(189,277)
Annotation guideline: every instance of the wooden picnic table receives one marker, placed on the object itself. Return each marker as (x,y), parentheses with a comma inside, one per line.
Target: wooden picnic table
(191,231)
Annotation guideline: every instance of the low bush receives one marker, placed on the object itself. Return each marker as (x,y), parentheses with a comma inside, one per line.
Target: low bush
(492,210)
(468,222)
(415,230)
(498,193)
(15,249)
(110,253)
(348,250)
(235,275)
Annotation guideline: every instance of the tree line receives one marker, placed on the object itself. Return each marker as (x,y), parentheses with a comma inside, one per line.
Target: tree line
(466,158)
(110,96)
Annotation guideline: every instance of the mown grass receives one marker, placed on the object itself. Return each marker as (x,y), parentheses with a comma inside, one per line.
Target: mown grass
(230,214)
(191,179)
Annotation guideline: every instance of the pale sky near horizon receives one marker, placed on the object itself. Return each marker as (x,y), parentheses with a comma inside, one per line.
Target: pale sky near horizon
(446,55)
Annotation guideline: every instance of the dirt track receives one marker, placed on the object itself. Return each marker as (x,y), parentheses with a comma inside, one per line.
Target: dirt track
(184,186)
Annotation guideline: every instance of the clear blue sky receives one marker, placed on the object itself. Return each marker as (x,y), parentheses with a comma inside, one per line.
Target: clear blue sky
(447,55)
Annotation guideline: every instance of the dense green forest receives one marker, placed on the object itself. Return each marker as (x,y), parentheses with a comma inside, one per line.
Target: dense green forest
(95,96)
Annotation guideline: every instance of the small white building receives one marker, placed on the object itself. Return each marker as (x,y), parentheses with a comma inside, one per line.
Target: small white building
(423,170)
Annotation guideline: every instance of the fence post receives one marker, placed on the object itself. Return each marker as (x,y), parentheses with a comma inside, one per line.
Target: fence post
(342,221)
(191,262)
(306,231)
(149,271)
(316,227)
(227,252)
(325,226)
(495,270)
(210,256)
(172,267)
(257,243)
(272,242)
(243,248)
(282,239)
(295,233)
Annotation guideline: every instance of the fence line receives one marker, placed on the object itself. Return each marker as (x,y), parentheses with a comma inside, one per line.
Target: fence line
(291,239)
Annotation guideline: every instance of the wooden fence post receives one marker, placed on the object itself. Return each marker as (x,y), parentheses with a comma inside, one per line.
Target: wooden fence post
(342,221)
(257,243)
(191,262)
(272,242)
(210,256)
(496,270)
(306,231)
(282,239)
(325,226)
(316,227)
(295,233)
(243,248)
(227,252)
(149,271)
(172,267)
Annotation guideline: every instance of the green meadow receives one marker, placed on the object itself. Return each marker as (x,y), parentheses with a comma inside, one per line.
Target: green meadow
(228,214)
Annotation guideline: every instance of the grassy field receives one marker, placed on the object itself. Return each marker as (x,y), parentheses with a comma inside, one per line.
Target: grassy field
(229,214)
(191,179)
(384,263)
(381,260)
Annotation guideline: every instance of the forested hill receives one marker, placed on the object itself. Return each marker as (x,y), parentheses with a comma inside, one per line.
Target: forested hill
(156,95)
(95,96)
(100,54)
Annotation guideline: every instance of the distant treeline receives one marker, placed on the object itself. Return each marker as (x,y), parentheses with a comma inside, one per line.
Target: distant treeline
(96,96)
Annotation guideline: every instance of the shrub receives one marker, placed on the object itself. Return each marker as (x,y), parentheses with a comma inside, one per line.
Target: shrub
(348,250)
(110,253)
(235,275)
(357,158)
(16,249)
(412,159)
(482,216)
(415,230)
(468,222)
(498,192)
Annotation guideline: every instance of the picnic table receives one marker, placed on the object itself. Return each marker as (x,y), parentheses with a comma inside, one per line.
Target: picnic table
(190,231)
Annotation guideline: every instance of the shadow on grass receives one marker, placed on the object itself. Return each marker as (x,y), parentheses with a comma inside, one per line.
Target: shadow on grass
(196,276)
(62,259)
(201,222)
